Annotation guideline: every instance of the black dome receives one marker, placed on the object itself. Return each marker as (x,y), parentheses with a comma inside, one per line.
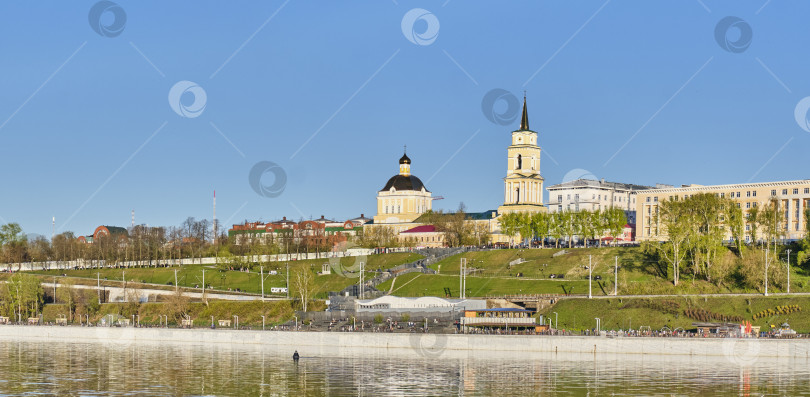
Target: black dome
(402,182)
(404,159)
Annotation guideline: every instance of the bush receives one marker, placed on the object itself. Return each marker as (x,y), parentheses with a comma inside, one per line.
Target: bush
(378,319)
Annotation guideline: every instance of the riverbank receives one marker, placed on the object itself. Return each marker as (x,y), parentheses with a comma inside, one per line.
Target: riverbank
(428,345)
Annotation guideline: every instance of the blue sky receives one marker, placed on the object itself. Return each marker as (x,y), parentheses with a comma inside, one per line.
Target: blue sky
(331,91)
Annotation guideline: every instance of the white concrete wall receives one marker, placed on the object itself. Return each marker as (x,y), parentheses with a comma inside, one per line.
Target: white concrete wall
(742,351)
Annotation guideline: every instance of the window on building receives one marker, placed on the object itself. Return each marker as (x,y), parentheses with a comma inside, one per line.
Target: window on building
(655,199)
(807,190)
(755,205)
(754,194)
(784,192)
(747,205)
(569,197)
(747,239)
(738,205)
(559,198)
(773,192)
(796,191)
(748,194)
(576,197)
(747,227)
(559,208)
(722,195)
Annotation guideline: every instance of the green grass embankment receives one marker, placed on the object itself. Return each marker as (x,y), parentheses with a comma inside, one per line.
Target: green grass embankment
(192,275)
(250,313)
(579,313)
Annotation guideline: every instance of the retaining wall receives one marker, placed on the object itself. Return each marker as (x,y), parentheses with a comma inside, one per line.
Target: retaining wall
(738,350)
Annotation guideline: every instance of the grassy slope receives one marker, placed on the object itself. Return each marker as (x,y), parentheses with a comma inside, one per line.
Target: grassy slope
(191,275)
(494,276)
(577,314)
(250,313)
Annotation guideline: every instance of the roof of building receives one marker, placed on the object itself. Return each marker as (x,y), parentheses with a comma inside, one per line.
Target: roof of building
(116,229)
(402,182)
(427,217)
(504,309)
(582,183)
(421,229)
(404,159)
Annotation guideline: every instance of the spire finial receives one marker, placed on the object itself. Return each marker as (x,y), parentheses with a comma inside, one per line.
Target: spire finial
(405,149)
(524,121)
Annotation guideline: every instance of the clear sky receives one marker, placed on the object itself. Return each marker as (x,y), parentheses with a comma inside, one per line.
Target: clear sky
(633,91)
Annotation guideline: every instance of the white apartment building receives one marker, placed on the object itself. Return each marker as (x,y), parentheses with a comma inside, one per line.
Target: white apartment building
(588,194)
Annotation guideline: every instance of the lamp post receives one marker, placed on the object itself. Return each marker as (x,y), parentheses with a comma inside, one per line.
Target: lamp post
(788,270)
(766,271)
(616,278)
(262,323)
(590,277)
(598,326)
(556,322)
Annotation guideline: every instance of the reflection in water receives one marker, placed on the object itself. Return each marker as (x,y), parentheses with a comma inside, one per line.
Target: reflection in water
(175,369)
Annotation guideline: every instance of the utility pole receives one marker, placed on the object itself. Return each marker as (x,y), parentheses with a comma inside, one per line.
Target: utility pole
(616,278)
(261,275)
(175,280)
(288,279)
(98,286)
(590,277)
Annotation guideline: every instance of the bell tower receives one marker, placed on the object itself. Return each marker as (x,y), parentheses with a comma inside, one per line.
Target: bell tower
(523,184)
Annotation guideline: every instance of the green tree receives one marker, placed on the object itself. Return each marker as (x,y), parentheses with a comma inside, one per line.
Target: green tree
(509,224)
(614,220)
(674,218)
(541,226)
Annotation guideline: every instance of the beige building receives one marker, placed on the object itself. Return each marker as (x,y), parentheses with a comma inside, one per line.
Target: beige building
(523,184)
(403,199)
(793,196)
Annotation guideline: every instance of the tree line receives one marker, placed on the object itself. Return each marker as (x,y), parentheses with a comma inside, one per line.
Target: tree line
(695,233)
(565,225)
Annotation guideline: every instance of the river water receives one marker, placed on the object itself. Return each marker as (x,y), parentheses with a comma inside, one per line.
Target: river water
(40,368)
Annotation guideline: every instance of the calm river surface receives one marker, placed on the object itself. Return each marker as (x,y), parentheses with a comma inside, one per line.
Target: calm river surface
(175,369)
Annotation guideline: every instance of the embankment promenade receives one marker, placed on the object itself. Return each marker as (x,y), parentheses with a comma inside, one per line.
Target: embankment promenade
(428,345)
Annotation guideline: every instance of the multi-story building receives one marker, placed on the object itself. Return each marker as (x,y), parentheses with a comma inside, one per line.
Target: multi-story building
(523,184)
(793,197)
(591,195)
(317,232)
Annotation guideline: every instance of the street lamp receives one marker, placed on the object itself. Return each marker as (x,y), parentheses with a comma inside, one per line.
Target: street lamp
(590,277)
(556,322)
(766,271)
(598,326)
(788,270)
